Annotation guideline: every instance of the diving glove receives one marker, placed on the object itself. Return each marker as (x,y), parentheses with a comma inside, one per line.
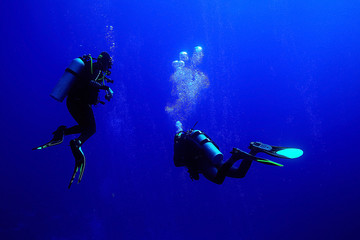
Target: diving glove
(109,94)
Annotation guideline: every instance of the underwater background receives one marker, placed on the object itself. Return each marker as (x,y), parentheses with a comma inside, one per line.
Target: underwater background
(281,72)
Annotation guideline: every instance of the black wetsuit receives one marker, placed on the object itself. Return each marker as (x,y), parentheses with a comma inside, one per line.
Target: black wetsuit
(188,153)
(81,96)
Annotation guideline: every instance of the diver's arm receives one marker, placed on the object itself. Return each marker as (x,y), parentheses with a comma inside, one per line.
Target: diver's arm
(97,85)
(109,94)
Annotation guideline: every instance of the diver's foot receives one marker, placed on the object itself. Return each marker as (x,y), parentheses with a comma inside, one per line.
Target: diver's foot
(75,145)
(58,135)
(235,151)
(56,140)
(239,154)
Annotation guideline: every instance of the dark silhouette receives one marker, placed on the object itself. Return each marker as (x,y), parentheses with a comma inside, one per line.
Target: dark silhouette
(81,83)
(196,151)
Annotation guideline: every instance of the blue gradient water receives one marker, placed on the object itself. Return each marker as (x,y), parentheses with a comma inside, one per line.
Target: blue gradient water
(281,72)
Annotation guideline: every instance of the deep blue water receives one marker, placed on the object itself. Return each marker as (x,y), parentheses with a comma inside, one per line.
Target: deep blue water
(282,72)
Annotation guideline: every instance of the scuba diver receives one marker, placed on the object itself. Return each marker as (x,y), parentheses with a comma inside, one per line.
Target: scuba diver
(196,151)
(81,83)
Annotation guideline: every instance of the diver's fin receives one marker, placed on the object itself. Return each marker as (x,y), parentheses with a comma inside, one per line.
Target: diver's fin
(80,160)
(79,167)
(268,162)
(275,151)
(244,155)
(56,140)
(82,169)
(49,144)
(73,176)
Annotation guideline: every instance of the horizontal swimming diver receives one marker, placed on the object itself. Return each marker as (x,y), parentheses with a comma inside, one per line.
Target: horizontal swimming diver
(196,151)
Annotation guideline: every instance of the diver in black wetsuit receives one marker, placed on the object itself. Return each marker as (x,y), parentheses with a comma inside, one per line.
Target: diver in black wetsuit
(82,95)
(85,93)
(195,150)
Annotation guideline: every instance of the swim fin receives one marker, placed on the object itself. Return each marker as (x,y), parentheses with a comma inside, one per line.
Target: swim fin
(56,140)
(280,152)
(79,164)
(80,160)
(246,156)
(268,162)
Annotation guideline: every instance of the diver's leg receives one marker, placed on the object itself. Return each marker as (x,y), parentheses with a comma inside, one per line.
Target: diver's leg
(244,167)
(58,135)
(57,139)
(88,124)
(73,130)
(224,169)
(211,174)
(241,171)
(84,116)
(74,107)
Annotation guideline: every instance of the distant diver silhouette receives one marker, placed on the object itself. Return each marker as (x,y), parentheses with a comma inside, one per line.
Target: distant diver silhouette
(197,152)
(81,83)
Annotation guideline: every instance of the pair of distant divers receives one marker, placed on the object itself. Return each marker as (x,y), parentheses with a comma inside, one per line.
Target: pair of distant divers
(193,149)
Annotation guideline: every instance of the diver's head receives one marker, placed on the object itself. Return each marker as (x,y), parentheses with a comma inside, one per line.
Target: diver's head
(105,61)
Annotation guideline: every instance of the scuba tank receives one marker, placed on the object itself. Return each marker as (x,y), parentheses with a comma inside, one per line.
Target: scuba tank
(209,147)
(67,80)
